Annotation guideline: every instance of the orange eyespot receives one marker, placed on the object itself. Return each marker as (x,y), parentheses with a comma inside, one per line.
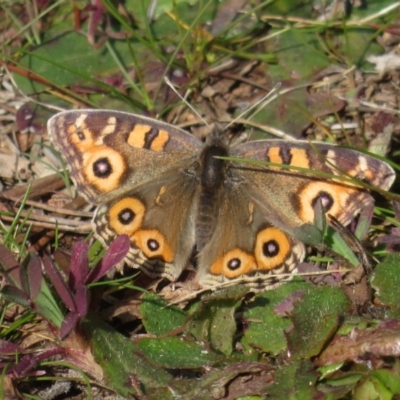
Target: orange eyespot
(80,135)
(126,216)
(153,245)
(271,249)
(333,197)
(104,168)
(233,264)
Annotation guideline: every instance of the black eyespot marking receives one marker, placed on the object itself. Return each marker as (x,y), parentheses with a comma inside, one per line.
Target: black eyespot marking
(326,200)
(270,248)
(126,216)
(153,245)
(234,264)
(102,168)
(81,136)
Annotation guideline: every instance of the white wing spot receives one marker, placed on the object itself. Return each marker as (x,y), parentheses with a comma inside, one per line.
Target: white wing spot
(331,158)
(80,120)
(110,127)
(363,163)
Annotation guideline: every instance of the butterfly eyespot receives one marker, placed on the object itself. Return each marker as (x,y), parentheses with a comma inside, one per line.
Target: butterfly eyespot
(81,136)
(153,245)
(326,200)
(102,168)
(82,139)
(272,248)
(126,216)
(333,197)
(234,264)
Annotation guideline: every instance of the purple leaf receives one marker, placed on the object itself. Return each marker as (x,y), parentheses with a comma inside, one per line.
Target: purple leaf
(8,347)
(392,240)
(69,323)
(117,251)
(10,266)
(59,284)
(23,276)
(79,267)
(15,295)
(26,363)
(81,300)
(49,353)
(35,275)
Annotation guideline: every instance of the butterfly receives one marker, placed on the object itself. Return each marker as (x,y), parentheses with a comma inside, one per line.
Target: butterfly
(174,195)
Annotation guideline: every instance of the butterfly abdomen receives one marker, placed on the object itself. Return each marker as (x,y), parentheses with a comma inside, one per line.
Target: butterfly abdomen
(212,173)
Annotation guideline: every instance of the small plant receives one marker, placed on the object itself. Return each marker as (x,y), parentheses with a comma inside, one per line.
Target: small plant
(25,286)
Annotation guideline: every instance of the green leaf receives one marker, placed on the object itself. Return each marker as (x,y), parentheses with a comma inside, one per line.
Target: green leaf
(213,321)
(390,379)
(120,359)
(47,306)
(265,328)
(386,282)
(371,388)
(315,318)
(176,352)
(86,66)
(337,244)
(219,381)
(294,382)
(158,317)
(309,234)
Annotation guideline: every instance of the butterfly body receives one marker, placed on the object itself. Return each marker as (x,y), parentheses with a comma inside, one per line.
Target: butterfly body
(173,195)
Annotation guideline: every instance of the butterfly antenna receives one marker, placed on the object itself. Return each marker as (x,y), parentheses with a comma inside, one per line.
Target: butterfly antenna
(169,83)
(260,104)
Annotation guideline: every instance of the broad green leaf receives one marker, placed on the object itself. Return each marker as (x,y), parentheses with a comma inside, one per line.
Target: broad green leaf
(390,379)
(265,328)
(158,317)
(315,320)
(214,320)
(386,282)
(294,382)
(87,68)
(371,388)
(120,359)
(230,379)
(176,352)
